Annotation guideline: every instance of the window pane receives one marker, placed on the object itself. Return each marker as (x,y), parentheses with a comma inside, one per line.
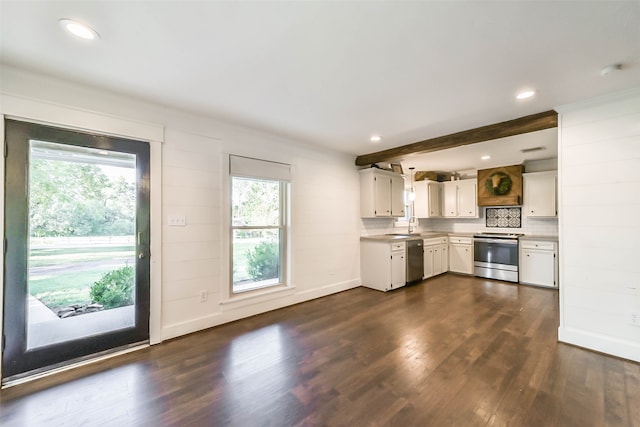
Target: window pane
(82,223)
(255,202)
(256,259)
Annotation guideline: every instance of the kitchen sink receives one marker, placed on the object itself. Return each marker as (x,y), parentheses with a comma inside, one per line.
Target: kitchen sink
(402,235)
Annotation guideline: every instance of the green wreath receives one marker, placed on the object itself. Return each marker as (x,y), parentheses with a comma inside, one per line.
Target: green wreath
(503,187)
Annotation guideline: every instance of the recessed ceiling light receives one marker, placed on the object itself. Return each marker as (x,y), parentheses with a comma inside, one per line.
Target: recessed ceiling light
(610,69)
(78,29)
(376,138)
(485,157)
(525,94)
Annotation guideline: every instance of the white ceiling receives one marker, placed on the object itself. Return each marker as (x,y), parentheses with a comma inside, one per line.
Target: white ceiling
(333,73)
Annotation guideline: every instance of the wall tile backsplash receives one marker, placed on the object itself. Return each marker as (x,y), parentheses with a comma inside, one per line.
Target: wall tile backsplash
(529,226)
(504,217)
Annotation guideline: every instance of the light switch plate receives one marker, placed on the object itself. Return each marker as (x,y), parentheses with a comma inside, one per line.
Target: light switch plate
(177,220)
(634,318)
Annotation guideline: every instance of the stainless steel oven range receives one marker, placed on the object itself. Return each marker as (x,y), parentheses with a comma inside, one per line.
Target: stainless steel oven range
(495,256)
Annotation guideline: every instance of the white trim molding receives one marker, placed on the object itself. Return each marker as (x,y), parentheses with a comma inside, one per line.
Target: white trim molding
(602,343)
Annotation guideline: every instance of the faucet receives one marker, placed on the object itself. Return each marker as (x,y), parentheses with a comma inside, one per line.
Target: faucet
(412,224)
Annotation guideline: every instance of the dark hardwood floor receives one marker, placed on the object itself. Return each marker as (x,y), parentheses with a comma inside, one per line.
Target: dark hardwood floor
(453,350)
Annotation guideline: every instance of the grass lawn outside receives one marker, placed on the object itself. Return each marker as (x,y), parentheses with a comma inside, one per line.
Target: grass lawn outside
(240,249)
(43,257)
(62,290)
(60,276)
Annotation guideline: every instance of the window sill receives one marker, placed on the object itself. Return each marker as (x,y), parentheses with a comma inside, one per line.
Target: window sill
(257,296)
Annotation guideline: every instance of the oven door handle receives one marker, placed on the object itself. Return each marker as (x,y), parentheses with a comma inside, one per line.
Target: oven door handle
(501,241)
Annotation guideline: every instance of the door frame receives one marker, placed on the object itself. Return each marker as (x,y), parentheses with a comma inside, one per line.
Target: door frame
(57,115)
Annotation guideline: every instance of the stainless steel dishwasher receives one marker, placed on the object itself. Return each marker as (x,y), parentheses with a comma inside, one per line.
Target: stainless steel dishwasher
(415,260)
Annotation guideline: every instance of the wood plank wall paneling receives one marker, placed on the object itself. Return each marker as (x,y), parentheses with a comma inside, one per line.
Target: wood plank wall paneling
(453,350)
(531,123)
(599,151)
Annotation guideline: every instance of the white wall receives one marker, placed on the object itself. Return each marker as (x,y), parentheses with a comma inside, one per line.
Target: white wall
(599,183)
(325,203)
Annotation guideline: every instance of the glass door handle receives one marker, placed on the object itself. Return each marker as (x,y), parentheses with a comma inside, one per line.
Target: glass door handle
(141,255)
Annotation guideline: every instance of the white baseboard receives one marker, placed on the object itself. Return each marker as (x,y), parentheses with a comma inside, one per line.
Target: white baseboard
(241,312)
(602,343)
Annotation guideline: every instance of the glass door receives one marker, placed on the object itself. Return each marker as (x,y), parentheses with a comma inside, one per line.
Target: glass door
(76,277)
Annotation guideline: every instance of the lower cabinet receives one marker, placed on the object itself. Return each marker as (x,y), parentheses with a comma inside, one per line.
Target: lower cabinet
(436,256)
(538,263)
(461,254)
(382,264)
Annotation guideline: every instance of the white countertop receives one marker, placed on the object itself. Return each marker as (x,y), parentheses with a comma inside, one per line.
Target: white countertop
(392,237)
(403,236)
(541,238)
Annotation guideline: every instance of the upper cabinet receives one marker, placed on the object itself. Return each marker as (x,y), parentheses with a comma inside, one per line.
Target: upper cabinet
(540,194)
(460,199)
(381,194)
(428,202)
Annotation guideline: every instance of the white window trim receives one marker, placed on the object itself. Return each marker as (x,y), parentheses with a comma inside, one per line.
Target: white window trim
(228,297)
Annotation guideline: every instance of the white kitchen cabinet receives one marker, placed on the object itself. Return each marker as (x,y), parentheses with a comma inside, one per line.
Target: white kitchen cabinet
(460,199)
(538,263)
(436,259)
(397,195)
(539,192)
(445,257)
(398,269)
(381,193)
(382,264)
(428,202)
(461,254)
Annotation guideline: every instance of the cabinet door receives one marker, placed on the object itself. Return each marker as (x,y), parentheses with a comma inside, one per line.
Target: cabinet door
(435,196)
(421,203)
(398,270)
(382,185)
(450,199)
(444,253)
(428,262)
(428,199)
(467,198)
(537,267)
(540,194)
(397,196)
(437,260)
(460,259)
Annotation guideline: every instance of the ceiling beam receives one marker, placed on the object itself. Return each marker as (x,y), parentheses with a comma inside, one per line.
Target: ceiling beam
(532,123)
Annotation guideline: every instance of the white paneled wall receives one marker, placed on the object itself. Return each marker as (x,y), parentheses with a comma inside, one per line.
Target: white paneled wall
(599,164)
(191,254)
(325,228)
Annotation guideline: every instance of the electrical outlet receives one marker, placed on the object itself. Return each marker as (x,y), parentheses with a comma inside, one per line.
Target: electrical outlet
(204,296)
(177,220)
(634,318)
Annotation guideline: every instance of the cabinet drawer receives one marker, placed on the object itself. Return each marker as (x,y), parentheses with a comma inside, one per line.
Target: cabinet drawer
(533,244)
(435,241)
(397,247)
(463,240)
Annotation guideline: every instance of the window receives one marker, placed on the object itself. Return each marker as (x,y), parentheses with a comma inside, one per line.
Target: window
(259,222)
(403,221)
